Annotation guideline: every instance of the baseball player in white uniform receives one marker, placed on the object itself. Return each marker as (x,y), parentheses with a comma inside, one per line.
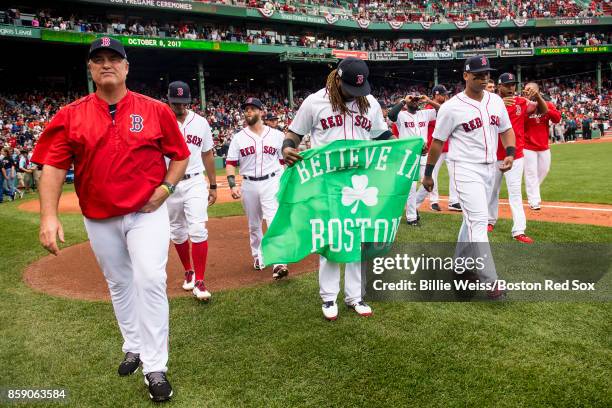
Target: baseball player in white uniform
(257,150)
(343,110)
(440,95)
(187,207)
(472,121)
(413,123)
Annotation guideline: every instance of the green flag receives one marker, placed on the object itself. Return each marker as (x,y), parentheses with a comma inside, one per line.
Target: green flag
(340,195)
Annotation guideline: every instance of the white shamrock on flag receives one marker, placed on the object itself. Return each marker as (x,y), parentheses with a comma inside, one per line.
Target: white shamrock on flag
(359,192)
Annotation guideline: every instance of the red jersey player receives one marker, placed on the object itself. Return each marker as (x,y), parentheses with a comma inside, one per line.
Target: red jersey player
(117,140)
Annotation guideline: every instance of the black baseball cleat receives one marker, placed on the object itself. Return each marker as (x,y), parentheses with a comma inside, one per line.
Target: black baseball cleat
(454,207)
(130,364)
(435,207)
(279,272)
(414,223)
(160,389)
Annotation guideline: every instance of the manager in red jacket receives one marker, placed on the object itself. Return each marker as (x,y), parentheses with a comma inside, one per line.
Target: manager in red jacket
(117,141)
(537,151)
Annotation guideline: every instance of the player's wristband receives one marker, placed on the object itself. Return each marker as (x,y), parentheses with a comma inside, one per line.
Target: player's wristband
(231,180)
(429,168)
(288,143)
(510,151)
(165,187)
(212,186)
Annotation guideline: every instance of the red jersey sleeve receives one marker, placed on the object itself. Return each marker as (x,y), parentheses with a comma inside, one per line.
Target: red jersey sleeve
(172,142)
(53,146)
(395,130)
(553,114)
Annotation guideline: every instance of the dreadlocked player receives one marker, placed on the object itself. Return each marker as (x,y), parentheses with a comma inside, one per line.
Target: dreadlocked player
(344,109)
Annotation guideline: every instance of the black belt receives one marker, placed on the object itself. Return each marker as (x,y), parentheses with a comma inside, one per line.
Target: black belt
(188,176)
(260,178)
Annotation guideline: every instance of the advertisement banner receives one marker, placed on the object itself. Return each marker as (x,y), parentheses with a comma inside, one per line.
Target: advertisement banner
(470,53)
(349,53)
(432,55)
(516,52)
(390,56)
(592,49)
(15,31)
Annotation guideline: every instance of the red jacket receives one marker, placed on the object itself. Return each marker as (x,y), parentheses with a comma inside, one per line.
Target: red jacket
(117,163)
(536,128)
(430,130)
(518,116)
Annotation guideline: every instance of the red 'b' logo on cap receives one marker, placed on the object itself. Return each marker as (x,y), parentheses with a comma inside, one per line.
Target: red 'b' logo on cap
(360,79)
(179,91)
(484,60)
(105,41)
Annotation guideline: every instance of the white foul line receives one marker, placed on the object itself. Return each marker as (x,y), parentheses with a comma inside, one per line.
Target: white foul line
(557,206)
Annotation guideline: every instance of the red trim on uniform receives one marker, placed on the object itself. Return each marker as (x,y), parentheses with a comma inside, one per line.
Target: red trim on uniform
(344,125)
(463,210)
(255,142)
(262,156)
(185,126)
(489,116)
(483,124)
(232,162)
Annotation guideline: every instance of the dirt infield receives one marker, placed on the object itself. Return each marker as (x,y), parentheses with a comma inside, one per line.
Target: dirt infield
(571,213)
(75,272)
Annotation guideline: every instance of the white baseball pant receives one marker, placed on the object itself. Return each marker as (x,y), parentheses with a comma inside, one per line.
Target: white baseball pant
(260,203)
(515,196)
(132,251)
(329,281)
(434,197)
(188,209)
(537,165)
(416,197)
(473,182)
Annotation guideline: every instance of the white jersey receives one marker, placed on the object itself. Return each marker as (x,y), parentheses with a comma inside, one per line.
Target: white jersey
(197,134)
(256,155)
(472,127)
(415,125)
(316,117)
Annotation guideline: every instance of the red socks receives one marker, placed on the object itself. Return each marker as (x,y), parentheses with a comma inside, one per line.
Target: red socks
(183,253)
(200,252)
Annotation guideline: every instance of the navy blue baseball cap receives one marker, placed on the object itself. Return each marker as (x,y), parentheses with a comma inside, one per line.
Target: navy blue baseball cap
(353,74)
(477,63)
(439,90)
(179,92)
(106,43)
(253,102)
(507,78)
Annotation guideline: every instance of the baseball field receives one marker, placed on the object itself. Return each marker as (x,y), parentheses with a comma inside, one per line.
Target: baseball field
(268,345)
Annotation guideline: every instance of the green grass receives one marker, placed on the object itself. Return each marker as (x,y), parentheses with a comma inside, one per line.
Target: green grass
(269,346)
(578,173)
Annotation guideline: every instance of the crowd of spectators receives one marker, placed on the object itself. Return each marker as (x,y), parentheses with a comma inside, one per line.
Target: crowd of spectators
(240,33)
(437,11)
(24,116)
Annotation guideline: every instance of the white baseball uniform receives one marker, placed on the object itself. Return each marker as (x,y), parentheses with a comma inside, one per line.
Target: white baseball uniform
(415,126)
(261,165)
(472,128)
(188,205)
(518,114)
(317,118)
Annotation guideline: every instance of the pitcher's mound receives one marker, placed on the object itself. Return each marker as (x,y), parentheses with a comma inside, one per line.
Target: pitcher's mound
(75,272)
